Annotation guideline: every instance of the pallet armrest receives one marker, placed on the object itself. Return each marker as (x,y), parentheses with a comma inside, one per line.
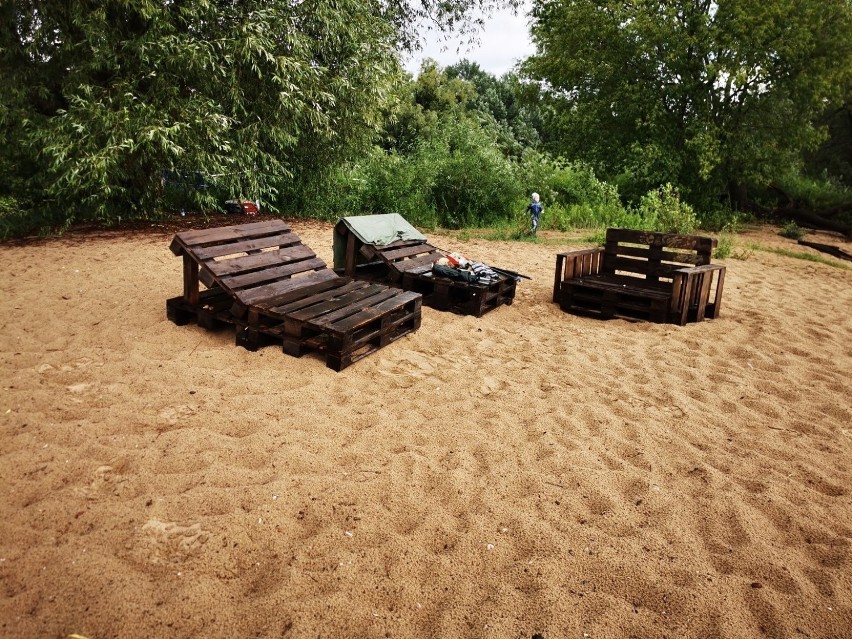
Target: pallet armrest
(691,288)
(575,264)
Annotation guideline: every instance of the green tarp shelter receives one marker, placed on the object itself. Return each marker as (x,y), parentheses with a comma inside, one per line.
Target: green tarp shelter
(379,230)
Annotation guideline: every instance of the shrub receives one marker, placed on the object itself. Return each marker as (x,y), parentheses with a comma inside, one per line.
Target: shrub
(792,231)
(664,211)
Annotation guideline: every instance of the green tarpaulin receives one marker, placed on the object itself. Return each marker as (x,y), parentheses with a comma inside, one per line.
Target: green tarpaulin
(372,229)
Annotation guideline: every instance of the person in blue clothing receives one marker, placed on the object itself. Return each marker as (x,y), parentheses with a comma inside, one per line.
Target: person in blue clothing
(534,209)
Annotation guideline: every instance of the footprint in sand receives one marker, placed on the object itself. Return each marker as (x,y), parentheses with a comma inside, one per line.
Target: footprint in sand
(79,363)
(407,367)
(108,479)
(169,541)
(172,414)
(491,385)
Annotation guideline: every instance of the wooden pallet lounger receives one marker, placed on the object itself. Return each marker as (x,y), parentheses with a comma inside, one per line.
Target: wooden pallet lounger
(407,264)
(271,287)
(661,277)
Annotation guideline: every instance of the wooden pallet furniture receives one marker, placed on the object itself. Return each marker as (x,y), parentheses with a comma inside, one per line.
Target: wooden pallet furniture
(407,264)
(642,275)
(260,278)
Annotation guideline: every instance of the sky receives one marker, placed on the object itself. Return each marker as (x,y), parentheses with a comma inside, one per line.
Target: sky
(503,41)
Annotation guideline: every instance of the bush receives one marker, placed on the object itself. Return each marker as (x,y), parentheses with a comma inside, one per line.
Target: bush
(473,183)
(664,211)
(717,218)
(792,231)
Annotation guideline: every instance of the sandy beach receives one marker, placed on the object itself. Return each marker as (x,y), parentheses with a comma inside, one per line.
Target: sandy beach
(525,473)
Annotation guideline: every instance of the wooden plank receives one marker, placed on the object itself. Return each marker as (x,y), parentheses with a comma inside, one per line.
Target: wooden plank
(343,303)
(190,279)
(349,265)
(247,246)
(643,267)
(603,285)
(350,323)
(256,261)
(414,263)
(355,307)
(408,251)
(663,255)
(231,233)
(272,293)
(697,243)
(425,269)
(322,296)
(256,278)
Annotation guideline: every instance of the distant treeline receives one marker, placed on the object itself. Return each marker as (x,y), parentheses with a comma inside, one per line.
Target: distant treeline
(665,115)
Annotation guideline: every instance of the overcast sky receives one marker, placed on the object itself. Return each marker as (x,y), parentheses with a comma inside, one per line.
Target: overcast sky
(503,41)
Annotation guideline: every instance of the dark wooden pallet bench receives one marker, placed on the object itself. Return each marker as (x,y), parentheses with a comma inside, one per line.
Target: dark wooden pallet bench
(261,279)
(642,275)
(408,264)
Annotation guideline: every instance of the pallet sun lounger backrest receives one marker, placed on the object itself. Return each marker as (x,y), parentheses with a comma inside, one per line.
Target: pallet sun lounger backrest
(415,257)
(261,278)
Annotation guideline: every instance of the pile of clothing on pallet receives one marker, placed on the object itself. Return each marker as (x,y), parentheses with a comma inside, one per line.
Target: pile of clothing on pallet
(457,267)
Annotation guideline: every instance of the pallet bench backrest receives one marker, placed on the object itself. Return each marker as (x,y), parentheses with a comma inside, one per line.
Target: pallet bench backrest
(653,256)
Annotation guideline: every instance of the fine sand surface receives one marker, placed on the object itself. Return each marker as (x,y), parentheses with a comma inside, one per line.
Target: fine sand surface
(528,472)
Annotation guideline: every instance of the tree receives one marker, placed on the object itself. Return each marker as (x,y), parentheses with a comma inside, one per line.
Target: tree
(103,98)
(515,115)
(711,96)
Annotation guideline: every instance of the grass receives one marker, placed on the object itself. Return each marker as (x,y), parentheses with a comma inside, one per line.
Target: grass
(799,255)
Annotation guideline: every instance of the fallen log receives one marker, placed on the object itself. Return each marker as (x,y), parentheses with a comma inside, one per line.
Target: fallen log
(813,220)
(828,248)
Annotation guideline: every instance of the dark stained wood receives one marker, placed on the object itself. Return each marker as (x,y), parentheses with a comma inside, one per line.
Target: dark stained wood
(267,275)
(416,263)
(206,237)
(257,261)
(262,280)
(394,254)
(343,305)
(318,298)
(407,264)
(641,275)
(248,246)
(276,291)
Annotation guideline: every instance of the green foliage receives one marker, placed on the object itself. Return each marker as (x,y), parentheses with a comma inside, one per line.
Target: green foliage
(792,231)
(718,218)
(100,98)
(573,195)
(822,192)
(453,178)
(598,238)
(705,95)
(727,245)
(800,255)
(663,210)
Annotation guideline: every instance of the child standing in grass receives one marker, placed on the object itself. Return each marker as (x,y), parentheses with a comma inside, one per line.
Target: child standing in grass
(534,209)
